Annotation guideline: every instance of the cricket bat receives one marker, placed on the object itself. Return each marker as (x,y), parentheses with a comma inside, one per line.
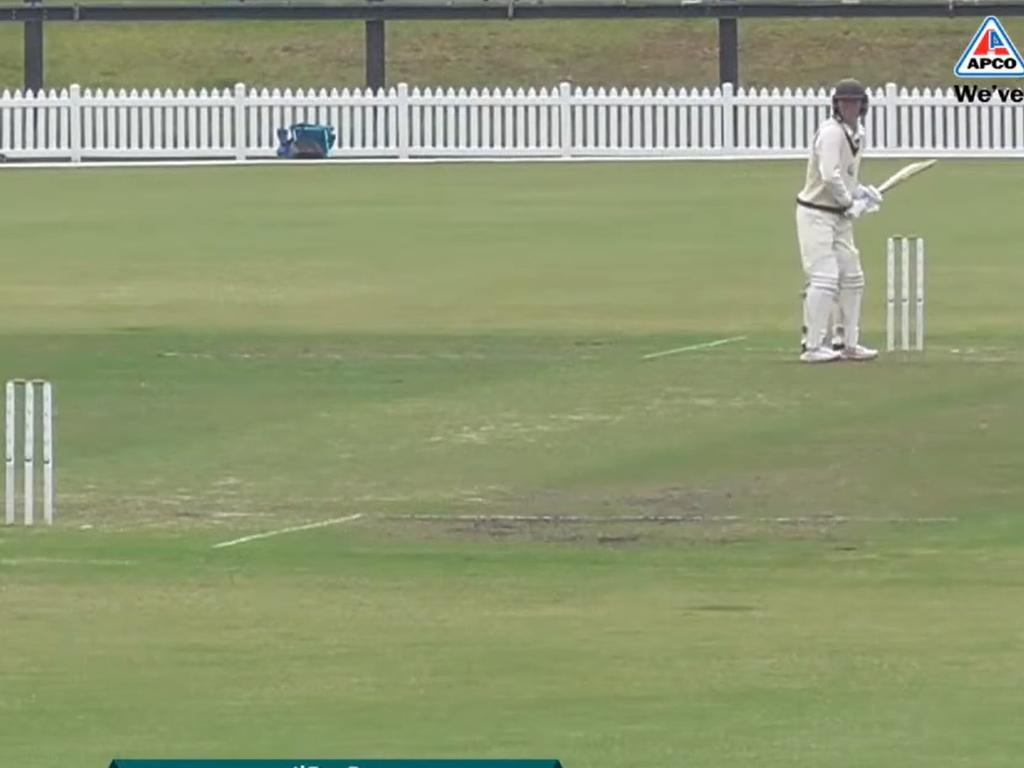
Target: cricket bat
(905,173)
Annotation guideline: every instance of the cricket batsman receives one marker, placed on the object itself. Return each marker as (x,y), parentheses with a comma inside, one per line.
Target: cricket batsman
(832,198)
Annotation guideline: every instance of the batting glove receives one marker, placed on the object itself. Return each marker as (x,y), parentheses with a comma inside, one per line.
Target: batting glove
(869,192)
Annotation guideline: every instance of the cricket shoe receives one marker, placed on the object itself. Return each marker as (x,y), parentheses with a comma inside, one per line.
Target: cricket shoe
(819,355)
(858,353)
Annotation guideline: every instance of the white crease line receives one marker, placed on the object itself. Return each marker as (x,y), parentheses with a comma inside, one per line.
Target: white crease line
(293,529)
(691,347)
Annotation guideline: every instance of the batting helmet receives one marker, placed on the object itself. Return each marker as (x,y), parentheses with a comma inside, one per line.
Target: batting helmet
(850,90)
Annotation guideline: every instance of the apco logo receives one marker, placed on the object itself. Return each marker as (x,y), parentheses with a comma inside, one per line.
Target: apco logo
(991,53)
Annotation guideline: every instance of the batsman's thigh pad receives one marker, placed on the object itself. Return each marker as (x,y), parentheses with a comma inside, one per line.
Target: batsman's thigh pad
(816,232)
(851,274)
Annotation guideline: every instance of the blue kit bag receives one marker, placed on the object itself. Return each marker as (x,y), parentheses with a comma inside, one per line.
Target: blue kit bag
(306,141)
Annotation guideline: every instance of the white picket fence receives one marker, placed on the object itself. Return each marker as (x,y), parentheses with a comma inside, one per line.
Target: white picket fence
(241,123)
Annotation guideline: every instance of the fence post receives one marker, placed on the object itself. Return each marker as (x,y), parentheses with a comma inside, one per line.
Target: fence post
(728,131)
(403,121)
(892,135)
(75,122)
(241,129)
(565,118)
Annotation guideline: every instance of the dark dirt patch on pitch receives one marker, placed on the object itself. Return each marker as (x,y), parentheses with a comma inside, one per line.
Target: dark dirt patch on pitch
(654,502)
(724,608)
(623,518)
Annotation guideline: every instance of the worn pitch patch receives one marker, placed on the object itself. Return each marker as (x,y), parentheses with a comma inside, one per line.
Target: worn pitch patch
(695,518)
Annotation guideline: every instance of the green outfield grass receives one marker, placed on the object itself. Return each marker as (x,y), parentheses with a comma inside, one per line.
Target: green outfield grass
(238,350)
(529,53)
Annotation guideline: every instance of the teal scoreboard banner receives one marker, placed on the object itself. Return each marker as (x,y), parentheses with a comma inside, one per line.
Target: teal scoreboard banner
(335,763)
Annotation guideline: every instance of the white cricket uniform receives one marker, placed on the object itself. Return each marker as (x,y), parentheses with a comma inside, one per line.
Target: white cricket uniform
(830,259)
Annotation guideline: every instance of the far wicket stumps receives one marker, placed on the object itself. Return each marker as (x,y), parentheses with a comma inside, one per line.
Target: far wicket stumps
(28,388)
(898,274)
